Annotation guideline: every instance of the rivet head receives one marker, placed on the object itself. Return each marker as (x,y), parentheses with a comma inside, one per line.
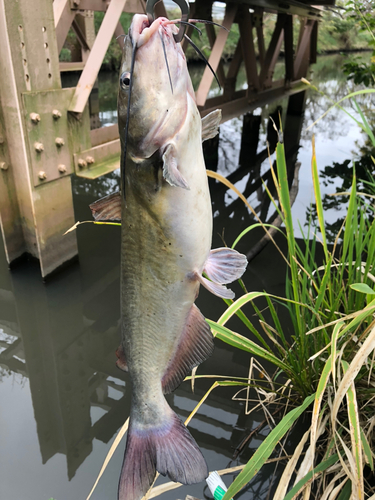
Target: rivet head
(61,168)
(82,163)
(59,141)
(3,165)
(38,147)
(90,160)
(56,114)
(42,175)
(35,117)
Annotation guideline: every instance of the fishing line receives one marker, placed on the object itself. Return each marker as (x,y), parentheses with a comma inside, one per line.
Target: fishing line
(200,53)
(166,60)
(127,121)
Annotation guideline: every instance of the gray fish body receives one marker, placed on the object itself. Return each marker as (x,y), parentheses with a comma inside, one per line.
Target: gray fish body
(166,239)
(166,221)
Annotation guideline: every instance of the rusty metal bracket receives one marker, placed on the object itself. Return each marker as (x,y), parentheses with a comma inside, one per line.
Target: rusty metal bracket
(47,133)
(99,160)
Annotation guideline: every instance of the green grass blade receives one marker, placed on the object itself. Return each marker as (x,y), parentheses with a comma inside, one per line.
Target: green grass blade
(366,126)
(355,433)
(318,199)
(236,340)
(266,448)
(250,228)
(310,475)
(346,492)
(367,450)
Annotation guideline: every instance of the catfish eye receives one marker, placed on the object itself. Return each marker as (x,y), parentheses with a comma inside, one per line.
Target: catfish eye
(125,80)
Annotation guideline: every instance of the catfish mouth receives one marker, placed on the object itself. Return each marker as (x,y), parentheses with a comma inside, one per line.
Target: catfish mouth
(141,30)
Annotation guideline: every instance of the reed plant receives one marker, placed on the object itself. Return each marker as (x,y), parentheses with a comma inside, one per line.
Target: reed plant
(327,360)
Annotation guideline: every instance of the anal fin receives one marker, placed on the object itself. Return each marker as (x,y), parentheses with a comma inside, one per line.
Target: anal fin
(107,208)
(196,345)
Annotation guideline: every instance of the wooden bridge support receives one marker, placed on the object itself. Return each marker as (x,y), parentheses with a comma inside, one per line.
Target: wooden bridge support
(45,134)
(36,195)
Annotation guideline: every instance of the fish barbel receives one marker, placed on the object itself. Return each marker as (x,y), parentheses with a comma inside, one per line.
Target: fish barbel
(166,220)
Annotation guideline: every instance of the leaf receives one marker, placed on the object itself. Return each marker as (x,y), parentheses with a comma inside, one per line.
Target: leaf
(367,450)
(362,288)
(266,448)
(355,434)
(310,475)
(236,340)
(290,469)
(367,347)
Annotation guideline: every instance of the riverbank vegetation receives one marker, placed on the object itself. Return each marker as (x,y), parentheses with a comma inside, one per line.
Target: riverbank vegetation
(326,362)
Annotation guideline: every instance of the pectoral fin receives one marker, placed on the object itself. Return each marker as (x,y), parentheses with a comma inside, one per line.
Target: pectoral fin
(223,265)
(170,168)
(107,208)
(210,124)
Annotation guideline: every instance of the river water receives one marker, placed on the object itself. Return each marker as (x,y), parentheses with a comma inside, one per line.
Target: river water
(62,398)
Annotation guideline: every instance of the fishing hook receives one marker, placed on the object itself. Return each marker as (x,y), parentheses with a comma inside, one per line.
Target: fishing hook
(185,11)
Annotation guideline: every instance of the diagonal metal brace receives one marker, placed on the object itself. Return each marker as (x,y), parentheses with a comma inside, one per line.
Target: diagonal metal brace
(95,59)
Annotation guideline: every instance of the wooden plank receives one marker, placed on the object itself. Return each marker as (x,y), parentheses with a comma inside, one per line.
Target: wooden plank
(29,62)
(258,23)
(214,60)
(245,104)
(288,48)
(273,48)
(103,153)
(287,7)
(248,51)
(234,67)
(10,217)
(71,66)
(104,134)
(211,34)
(95,59)
(301,62)
(64,17)
(132,6)
(314,44)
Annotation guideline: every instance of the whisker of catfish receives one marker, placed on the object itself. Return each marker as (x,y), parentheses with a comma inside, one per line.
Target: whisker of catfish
(204,21)
(166,60)
(200,53)
(178,21)
(127,121)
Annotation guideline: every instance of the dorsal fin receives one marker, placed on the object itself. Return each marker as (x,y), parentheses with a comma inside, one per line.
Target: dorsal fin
(107,208)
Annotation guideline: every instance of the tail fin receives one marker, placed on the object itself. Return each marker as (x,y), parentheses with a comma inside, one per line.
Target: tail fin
(169,449)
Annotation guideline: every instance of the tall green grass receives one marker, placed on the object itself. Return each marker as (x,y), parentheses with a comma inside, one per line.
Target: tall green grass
(327,359)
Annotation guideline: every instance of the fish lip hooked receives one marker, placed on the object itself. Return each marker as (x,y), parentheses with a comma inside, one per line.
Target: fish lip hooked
(185,12)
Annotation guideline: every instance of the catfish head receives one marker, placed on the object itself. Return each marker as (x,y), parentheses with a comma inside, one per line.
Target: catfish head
(159,86)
